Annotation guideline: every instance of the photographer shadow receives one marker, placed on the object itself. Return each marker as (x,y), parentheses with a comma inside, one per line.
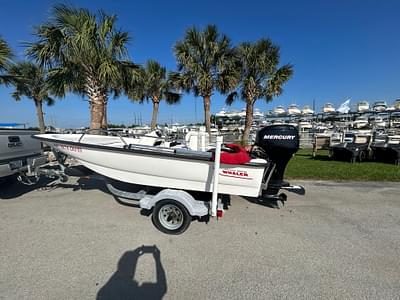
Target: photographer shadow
(122,284)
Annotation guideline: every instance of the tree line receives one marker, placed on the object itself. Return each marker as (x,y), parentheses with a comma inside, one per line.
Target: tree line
(77,51)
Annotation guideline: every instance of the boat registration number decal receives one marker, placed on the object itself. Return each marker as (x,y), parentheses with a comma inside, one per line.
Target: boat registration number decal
(235,174)
(69,148)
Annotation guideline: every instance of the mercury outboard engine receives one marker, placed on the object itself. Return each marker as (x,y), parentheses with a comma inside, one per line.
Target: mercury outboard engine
(279,143)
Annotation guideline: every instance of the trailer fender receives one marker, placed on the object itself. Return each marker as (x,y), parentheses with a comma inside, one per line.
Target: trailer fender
(194,207)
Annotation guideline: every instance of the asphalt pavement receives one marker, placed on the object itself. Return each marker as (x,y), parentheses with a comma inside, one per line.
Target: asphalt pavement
(74,241)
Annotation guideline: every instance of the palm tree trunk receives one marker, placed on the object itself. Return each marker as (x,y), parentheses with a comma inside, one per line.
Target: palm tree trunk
(96,98)
(39,112)
(249,121)
(156,104)
(206,102)
(104,123)
(96,113)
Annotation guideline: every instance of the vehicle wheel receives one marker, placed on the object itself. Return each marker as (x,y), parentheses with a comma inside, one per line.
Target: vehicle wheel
(171,217)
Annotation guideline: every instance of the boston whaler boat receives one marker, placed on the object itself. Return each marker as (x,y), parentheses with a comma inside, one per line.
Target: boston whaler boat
(180,171)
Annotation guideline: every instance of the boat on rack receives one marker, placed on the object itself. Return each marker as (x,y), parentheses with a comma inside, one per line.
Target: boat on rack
(379,106)
(360,122)
(362,106)
(293,109)
(279,110)
(307,110)
(396,104)
(328,108)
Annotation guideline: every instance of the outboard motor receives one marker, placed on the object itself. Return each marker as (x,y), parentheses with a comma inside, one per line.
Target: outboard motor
(279,143)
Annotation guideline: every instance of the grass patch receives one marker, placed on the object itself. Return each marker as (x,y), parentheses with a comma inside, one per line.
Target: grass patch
(304,166)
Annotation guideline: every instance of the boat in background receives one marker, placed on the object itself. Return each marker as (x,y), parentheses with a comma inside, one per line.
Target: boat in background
(257,114)
(396,104)
(360,122)
(379,121)
(293,110)
(379,106)
(362,106)
(395,119)
(307,110)
(328,108)
(279,110)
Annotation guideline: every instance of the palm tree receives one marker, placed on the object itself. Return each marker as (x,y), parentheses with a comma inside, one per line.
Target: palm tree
(260,76)
(205,63)
(86,55)
(30,80)
(152,84)
(5,59)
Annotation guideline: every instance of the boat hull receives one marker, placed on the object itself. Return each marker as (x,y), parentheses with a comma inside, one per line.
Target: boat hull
(164,171)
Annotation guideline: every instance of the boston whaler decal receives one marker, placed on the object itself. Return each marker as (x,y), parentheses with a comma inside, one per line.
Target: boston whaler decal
(279,137)
(235,174)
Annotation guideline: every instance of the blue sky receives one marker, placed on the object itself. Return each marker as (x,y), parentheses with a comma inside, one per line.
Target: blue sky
(339,49)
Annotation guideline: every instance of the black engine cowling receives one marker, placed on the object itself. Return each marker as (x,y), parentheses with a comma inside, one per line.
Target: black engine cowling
(279,142)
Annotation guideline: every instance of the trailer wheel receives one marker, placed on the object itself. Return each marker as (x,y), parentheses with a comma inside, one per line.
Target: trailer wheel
(171,217)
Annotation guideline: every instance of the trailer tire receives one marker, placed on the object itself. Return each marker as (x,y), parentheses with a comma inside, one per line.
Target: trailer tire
(171,217)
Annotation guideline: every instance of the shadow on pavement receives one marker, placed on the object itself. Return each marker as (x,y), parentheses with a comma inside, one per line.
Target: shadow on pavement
(122,284)
(13,188)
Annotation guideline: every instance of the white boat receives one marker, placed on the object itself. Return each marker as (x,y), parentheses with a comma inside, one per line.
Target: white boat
(379,121)
(390,108)
(257,114)
(395,120)
(221,113)
(362,106)
(379,106)
(293,109)
(328,108)
(360,122)
(396,104)
(307,110)
(279,110)
(154,162)
(305,124)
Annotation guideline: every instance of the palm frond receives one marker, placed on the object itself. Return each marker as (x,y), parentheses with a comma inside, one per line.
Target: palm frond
(6,55)
(231,98)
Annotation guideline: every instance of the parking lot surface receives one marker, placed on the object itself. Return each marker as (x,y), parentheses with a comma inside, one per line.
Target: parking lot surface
(74,241)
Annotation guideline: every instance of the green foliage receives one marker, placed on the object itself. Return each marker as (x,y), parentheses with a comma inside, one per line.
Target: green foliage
(84,51)
(152,84)
(30,80)
(5,54)
(5,59)
(260,76)
(304,166)
(205,62)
